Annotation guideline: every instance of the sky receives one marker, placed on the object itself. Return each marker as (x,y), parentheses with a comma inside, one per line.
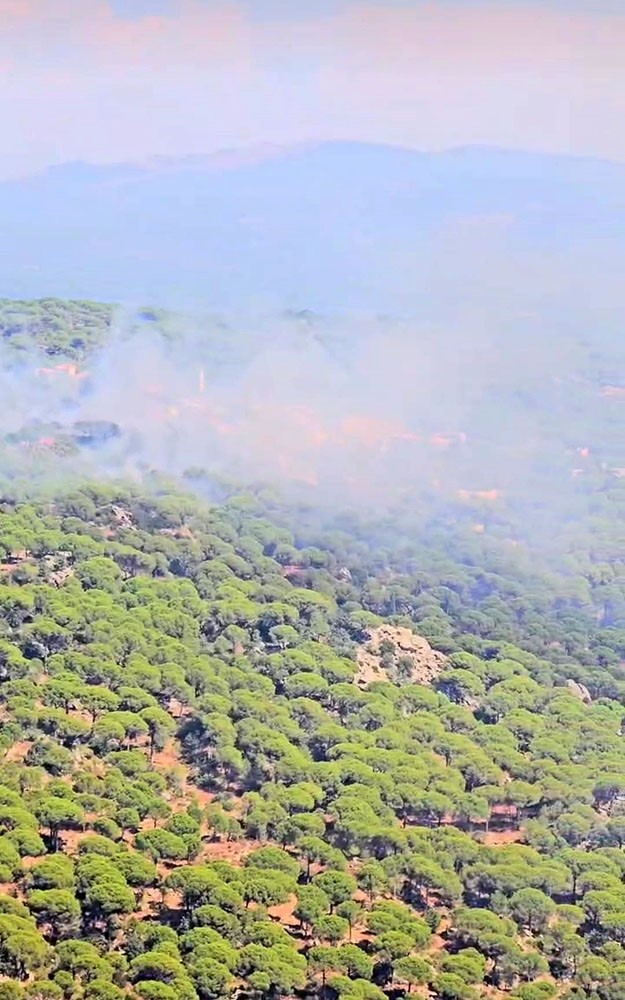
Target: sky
(119,80)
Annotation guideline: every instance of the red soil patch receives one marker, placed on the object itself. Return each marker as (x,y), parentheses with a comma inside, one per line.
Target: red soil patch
(489,495)
(233,851)
(68,368)
(504,809)
(292,570)
(70,840)
(438,941)
(497,838)
(494,993)
(169,762)
(177,709)
(17,752)
(33,859)
(165,868)
(171,898)
(360,934)
(150,903)
(284,913)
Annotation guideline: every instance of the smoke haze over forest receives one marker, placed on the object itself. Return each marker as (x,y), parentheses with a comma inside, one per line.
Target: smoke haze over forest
(353,411)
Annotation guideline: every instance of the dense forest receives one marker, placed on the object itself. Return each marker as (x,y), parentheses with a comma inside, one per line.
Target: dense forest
(253,747)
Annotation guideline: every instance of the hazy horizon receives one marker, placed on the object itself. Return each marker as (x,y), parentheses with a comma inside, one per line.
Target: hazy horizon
(113,82)
(235,157)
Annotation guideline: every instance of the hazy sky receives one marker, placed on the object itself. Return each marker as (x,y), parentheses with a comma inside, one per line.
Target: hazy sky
(110,80)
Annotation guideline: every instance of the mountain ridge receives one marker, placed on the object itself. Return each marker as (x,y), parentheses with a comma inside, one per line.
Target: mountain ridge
(251,155)
(325,226)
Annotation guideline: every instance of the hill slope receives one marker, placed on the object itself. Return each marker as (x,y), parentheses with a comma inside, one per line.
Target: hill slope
(339,225)
(198,800)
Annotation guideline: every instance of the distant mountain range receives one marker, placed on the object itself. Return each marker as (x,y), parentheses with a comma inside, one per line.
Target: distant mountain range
(334,226)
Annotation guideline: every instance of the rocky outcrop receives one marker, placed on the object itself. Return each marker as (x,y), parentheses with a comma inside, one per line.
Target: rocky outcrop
(579,690)
(413,660)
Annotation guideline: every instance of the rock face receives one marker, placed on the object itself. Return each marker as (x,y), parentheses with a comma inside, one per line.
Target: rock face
(425,663)
(579,690)
(121,516)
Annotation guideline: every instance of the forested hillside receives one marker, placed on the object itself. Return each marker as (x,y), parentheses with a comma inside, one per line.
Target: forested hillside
(227,768)
(254,744)
(52,327)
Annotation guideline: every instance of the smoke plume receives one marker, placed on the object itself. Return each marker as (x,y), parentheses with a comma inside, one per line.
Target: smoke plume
(349,410)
